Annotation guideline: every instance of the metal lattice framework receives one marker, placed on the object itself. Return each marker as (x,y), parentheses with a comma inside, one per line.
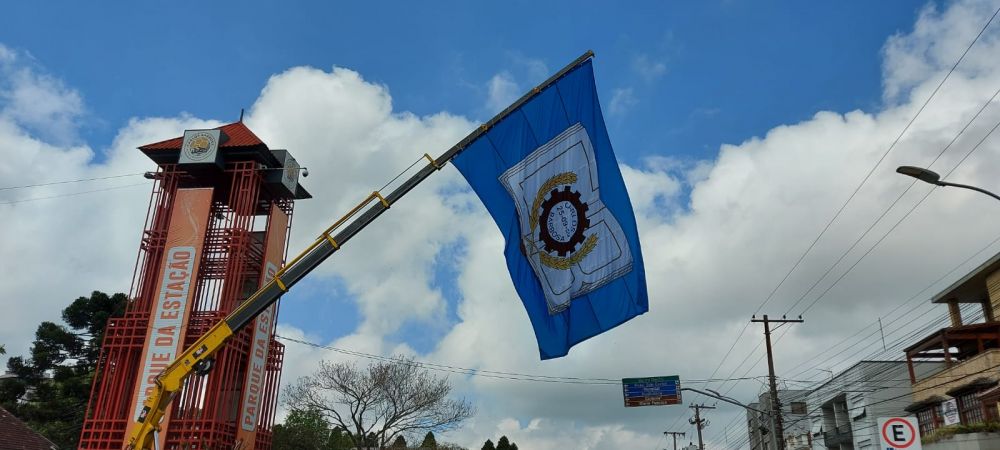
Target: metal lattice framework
(205,412)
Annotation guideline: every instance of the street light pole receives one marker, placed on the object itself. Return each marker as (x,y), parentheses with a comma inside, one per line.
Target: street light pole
(929,176)
(718,396)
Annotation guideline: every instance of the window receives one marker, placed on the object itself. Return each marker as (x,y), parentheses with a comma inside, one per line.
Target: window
(927,418)
(798,407)
(970,409)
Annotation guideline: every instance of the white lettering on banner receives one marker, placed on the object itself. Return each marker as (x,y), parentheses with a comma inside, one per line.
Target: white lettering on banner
(258,360)
(168,317)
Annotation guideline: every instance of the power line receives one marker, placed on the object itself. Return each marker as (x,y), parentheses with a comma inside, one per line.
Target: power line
(894,202)
(863,181)
(71,194)
(469,371)
(897,307)
(81,180)
(901,219)
(973,149)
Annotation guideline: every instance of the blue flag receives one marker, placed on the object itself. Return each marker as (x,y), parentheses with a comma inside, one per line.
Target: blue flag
(548,176)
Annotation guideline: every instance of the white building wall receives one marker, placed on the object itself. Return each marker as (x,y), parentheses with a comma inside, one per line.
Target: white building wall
(858,396)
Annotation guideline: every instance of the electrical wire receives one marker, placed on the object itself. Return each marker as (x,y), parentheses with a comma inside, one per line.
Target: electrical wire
(864,180)
(898,222)
(469,371)
(81,180)
(71,194)
(887,233)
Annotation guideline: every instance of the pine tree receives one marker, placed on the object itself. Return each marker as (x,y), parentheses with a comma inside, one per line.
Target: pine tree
(51,387)
(429,441)
(488,445)
(400,442)
(503,443)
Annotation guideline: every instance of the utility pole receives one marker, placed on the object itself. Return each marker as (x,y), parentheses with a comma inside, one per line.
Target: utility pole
(779,432)
(674,434)
(699,423)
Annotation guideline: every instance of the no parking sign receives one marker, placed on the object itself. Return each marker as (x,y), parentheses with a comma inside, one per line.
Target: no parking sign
(899,433)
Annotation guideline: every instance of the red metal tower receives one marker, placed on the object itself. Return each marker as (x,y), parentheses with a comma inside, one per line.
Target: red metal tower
(216,228)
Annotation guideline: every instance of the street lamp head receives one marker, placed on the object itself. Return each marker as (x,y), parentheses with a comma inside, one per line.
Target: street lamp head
(927,176)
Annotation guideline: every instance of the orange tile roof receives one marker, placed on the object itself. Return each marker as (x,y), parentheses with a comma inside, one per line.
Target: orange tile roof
(238,133)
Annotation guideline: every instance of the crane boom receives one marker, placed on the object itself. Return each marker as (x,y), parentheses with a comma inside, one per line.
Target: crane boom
(198,357)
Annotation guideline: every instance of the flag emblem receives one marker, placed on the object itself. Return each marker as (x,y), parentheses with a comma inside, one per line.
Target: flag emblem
(546,172)
(575,245)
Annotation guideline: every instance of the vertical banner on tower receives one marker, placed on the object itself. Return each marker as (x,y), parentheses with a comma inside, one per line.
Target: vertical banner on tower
(175,292)
(253,388)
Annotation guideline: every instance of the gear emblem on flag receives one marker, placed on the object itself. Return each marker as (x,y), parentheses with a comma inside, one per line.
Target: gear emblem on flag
(573,242)
(563,219)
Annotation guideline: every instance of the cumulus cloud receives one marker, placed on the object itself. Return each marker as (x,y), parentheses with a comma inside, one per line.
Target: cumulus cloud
(622,99)
(717,235)
(503,91)
(36,102)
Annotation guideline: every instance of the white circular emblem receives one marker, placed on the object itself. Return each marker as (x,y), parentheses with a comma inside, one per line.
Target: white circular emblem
(196,148)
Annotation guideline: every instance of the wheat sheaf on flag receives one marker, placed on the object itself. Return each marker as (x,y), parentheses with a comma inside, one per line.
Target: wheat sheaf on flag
(548,176)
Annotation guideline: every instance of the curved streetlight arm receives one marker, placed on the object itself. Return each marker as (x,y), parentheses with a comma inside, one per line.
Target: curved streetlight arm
(965,186)
(725,399)
(932,177)
(716,395)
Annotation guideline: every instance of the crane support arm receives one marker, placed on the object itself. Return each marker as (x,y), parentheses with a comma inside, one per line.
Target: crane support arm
(198,357)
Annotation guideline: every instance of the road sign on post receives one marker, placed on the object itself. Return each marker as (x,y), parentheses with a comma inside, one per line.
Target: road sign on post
(652,391)
(899,433)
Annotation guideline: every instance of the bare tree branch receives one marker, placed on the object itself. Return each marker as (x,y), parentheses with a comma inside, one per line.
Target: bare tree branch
(385,400)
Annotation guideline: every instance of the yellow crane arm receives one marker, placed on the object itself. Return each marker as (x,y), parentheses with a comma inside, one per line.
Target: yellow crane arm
(198,357)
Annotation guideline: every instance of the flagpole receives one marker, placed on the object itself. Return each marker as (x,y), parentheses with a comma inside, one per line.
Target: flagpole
(457,148)
(198,357)
(308,261)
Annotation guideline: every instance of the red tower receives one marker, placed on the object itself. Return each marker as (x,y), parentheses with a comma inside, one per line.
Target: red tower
(216,229)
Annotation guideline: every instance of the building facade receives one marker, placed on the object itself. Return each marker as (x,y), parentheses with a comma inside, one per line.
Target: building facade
(794,412)
(964,390)
(844,410)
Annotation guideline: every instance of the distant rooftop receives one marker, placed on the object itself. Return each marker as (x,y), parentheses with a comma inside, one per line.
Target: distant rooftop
(17,435)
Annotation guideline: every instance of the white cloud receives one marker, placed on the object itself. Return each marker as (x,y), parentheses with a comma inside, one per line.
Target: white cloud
(622,100)
(503,91)
(36,102)
(748,215)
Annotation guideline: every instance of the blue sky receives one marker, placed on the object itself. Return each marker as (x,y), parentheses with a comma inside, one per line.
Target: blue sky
(700,73)
(764,117)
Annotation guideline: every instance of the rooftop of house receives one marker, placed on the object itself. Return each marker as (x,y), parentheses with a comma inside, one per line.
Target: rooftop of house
(17,435)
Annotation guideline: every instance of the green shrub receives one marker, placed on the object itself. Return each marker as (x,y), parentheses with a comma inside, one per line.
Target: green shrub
(951,430)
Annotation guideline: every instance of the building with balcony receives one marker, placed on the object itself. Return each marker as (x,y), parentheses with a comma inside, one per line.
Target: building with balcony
(794,412)
(844,410)
(968,351)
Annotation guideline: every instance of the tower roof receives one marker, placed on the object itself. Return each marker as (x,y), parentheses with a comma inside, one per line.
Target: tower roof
(238,142)
(238,133)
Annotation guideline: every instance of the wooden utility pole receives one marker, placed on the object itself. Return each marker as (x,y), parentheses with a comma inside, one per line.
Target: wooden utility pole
(778,431)
(699,423)
(674,434)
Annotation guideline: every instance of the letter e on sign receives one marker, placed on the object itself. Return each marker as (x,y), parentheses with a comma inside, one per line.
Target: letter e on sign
(899,433)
